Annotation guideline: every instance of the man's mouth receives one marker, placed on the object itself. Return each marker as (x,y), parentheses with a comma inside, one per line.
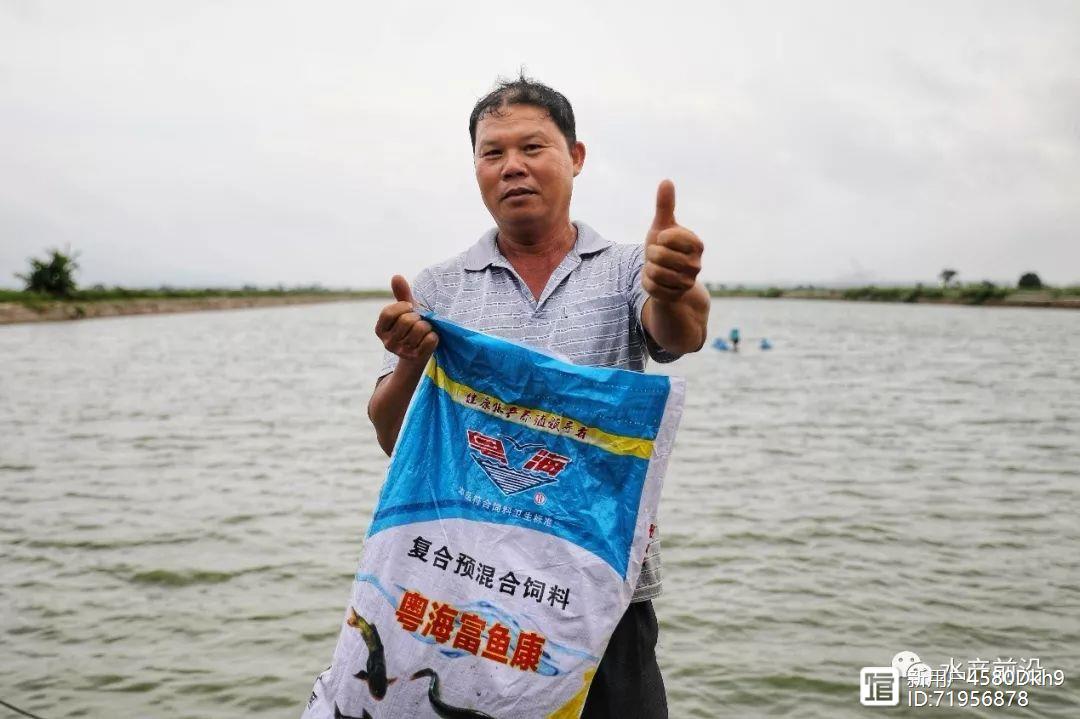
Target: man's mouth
(517,191)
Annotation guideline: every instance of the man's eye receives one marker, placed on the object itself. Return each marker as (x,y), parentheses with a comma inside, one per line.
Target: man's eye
(491,153)
(532,148)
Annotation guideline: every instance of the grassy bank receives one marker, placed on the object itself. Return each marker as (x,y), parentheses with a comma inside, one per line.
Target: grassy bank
(982,293)
(112,294)
(18,306)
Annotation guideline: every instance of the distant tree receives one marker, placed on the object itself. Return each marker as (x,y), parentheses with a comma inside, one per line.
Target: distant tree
(54,277)
(947,276)
(1029,281)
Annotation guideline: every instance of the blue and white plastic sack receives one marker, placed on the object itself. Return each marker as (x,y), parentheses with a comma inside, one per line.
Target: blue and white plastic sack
(508,537)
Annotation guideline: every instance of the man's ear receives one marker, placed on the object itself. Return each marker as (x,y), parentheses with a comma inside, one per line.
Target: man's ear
(577,153)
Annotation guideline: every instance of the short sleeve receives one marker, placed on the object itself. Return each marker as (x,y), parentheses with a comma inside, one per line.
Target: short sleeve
(638,297)
(423,290)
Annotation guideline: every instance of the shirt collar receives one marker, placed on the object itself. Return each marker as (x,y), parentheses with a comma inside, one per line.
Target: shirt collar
(486,252)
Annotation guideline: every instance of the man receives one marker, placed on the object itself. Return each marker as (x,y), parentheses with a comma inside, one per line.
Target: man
(540,279)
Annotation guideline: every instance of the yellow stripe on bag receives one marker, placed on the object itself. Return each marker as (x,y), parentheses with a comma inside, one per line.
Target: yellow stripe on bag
(537,419)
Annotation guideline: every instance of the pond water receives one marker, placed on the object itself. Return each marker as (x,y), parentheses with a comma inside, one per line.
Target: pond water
(185,498)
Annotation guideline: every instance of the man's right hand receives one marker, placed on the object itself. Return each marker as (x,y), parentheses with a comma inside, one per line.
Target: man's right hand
(401,329)
(404,333)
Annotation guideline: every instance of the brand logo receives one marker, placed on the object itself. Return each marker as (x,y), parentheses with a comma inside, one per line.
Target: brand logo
(525,467)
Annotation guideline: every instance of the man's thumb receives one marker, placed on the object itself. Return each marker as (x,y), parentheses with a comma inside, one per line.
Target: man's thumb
(400,287)
(665,205)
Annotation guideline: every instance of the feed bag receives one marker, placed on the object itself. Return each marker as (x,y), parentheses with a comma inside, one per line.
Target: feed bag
(507,539)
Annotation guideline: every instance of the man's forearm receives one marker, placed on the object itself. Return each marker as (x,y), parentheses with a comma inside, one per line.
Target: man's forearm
(680,326)
(391,398)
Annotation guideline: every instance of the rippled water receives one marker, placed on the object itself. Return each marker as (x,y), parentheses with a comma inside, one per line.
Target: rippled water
(185,497)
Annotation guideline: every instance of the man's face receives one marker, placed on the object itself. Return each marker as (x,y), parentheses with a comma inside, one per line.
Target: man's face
(525,169)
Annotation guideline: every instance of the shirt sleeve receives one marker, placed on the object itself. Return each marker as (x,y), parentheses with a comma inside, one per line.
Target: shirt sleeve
(638,297)
(423,290)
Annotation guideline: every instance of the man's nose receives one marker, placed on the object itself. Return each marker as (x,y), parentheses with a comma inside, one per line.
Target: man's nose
(514,166)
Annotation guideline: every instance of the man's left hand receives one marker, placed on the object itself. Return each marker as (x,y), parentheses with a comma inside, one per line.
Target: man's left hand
(672,252)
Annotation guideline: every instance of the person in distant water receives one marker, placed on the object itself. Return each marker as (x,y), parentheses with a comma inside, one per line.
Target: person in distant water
(734,337)
(543,280)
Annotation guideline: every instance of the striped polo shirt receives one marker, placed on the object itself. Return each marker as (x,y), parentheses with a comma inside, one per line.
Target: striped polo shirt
(589,314)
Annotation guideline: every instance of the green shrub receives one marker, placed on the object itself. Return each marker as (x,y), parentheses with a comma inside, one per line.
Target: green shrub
(983,292)
(877,294)
(54,277)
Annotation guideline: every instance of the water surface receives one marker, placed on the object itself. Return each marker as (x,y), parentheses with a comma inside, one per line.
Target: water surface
(185,498)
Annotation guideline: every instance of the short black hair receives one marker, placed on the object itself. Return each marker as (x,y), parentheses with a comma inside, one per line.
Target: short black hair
(526,91)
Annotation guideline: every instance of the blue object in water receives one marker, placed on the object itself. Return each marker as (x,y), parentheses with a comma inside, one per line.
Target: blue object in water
(765,344)
(720,344)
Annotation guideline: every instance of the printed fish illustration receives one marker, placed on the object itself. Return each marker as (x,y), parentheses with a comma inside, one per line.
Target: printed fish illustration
(375,673)
(442,708)
(339,715)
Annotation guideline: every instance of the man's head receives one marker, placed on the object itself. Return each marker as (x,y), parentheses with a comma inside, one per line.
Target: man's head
(524,91)
(526,156)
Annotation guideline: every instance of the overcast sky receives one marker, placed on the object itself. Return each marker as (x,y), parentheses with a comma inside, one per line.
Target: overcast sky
(197,143)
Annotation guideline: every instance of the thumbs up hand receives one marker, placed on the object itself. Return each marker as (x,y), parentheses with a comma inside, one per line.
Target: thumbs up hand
(401,329)
(672,252)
